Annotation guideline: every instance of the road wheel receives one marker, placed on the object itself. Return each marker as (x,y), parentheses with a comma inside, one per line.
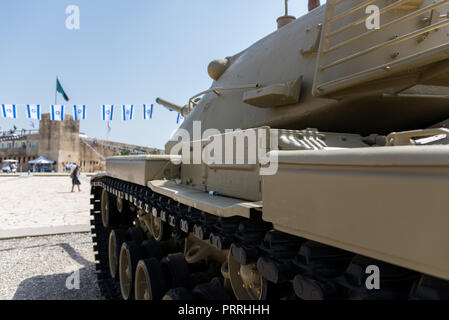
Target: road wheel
(129,258)
(160,230)
(152,249)
(211,291)
(178,294)
(246,281)
(116,238)
(136,235)
(150,284)
(176,271)
(109,216)
(119,204)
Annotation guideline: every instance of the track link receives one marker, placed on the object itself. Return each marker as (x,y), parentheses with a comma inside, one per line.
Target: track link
(109,287)
(289,267)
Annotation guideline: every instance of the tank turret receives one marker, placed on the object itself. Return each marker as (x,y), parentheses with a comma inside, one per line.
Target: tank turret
(353,79)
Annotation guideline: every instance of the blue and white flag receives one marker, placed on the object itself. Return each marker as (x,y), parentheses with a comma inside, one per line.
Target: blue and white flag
(79,112)
(147,112)
(108,111)
(9,111)
(57,112)
(180,118)
(33,111)
(128,112)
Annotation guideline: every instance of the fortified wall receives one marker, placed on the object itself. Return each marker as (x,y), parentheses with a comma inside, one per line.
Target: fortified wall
(61,142)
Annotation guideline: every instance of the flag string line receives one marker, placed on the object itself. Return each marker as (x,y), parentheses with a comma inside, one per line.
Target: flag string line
(34,111)
(93,149)
(94,141)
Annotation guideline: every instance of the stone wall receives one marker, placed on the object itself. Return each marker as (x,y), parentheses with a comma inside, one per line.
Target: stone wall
(60,141)
(22,147)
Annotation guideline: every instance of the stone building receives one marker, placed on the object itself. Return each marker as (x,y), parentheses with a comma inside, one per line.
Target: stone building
(61,141)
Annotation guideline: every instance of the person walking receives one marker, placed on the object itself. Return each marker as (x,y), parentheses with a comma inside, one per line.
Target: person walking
(74,175)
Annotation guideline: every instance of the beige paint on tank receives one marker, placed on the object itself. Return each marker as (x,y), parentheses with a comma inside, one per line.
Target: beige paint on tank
(343,189)
(388,203)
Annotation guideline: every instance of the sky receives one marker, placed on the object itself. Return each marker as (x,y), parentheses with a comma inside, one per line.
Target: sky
(125,52)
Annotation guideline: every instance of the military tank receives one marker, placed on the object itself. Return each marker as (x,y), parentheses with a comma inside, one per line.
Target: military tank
(345,197)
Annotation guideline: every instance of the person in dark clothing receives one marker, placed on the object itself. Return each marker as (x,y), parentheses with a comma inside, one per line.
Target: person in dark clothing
(75,181)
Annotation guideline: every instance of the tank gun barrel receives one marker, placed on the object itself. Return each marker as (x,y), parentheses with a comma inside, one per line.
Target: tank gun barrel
(173,106)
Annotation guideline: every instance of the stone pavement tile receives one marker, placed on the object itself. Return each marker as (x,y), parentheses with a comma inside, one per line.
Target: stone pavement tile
(41,202)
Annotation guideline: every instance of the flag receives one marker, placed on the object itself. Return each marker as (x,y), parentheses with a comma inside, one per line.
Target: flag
(128,112)
(79,113)
(57,112)
(109,127)
(61,90)
(9,111)
(147,112)
(108,111)
(180,118)
(33,111)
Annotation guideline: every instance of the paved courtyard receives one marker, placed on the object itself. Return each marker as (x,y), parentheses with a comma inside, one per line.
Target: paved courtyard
(36,202)
(38,267)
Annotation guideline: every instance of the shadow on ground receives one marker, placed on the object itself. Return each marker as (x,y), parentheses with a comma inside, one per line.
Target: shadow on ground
(53,287)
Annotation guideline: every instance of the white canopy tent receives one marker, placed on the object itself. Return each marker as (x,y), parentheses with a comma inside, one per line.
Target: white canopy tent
(41,160)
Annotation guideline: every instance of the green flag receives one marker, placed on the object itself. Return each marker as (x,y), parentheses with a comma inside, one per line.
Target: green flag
(60,90)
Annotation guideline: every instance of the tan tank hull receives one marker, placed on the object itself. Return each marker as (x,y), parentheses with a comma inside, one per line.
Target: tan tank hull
(386,203)
(338,201)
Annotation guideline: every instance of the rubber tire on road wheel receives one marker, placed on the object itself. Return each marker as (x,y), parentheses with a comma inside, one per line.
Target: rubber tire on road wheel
(165,230)
(210,291)
(178,294)
(176,271)
(131,252)
(119,237)
(152,249)
(149,271)
(109,214)
(136,235)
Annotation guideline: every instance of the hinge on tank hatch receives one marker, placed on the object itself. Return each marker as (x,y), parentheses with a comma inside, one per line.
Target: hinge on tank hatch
(193,101)
(432,18)
(275,95)
(314,48)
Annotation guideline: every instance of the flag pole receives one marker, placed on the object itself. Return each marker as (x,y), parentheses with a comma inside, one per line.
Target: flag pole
(56,91)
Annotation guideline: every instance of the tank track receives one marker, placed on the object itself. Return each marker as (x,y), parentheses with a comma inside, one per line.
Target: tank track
(109,288)
(291,267)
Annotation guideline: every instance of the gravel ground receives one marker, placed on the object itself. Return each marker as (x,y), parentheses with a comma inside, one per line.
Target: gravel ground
(38,268)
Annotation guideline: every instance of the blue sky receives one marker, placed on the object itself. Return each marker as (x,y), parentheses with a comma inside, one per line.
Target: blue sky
(126,52)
